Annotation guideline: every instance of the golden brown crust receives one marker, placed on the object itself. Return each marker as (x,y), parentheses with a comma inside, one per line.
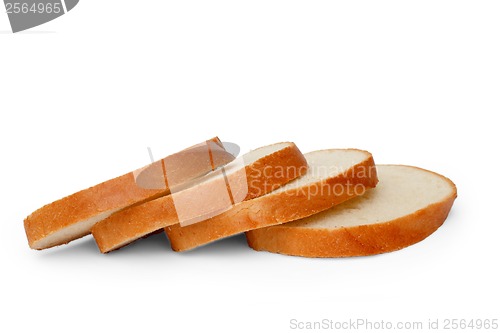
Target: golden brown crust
(128,225)
(275,208)
(84,205)
(361,240)
(284,166)
(133,223)
(112,195)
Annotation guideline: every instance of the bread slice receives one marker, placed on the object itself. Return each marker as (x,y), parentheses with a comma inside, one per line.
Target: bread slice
(256,173)
(408,205)
(333,176)
(72,217)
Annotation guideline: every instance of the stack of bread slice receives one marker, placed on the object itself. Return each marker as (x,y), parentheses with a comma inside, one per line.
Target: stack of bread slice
(326,203)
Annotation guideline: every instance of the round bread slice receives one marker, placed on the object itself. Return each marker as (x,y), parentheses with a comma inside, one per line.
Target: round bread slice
(254,174)
(72,217)
(333,176)
(407,205)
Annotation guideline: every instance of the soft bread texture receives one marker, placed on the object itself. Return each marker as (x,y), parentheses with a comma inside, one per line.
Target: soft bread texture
(256,173)
(334,176)
(73,216)
(407,205)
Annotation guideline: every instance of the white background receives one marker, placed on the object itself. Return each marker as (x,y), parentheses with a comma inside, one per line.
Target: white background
(82,97)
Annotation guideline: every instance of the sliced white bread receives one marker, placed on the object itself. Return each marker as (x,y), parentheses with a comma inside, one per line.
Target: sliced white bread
(334,176)
(254,174)
(73,216)
(407,205)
